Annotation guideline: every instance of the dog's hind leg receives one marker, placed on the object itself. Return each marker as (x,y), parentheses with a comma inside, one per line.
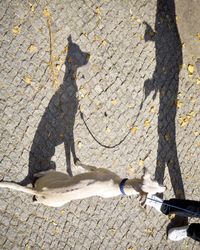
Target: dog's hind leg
(86,167)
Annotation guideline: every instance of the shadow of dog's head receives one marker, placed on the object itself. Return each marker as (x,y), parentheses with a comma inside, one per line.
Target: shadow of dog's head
(75,56)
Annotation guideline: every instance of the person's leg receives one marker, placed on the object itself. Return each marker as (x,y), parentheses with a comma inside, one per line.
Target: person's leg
(180,207)
(180,233)
(193,231)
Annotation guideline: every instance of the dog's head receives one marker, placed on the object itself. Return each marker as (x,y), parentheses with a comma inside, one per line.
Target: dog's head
(149,185)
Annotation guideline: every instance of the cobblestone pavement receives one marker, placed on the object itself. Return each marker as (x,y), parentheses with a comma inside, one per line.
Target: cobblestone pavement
(136,65)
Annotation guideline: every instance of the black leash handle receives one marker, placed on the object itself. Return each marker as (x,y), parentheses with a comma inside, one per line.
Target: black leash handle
(195,214)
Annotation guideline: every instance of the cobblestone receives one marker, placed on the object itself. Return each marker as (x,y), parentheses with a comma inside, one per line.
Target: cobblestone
(130,62)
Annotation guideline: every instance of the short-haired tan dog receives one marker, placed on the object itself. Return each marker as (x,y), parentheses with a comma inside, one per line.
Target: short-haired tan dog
(55,189)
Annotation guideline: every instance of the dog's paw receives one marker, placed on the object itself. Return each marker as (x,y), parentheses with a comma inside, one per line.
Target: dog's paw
(77,162)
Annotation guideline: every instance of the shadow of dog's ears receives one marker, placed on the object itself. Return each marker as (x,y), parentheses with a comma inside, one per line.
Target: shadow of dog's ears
(69,39)
(149,34)
(149,86)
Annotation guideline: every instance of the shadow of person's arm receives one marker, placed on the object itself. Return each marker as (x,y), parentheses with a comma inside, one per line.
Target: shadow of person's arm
(149,84)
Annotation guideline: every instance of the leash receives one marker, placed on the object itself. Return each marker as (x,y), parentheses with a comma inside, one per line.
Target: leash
(195,214)
(122,140)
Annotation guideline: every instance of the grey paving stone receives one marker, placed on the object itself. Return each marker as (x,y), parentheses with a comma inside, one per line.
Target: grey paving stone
(129,63)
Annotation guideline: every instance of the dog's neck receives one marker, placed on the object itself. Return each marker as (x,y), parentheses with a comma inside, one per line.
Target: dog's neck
(132,186)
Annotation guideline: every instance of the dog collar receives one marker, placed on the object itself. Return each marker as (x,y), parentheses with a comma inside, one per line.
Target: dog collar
(121,185)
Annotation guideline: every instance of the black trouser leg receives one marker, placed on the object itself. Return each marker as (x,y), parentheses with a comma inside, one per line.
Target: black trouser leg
(186,208)
(193,231)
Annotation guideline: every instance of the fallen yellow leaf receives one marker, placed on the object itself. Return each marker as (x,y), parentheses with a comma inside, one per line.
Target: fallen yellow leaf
(138,20)
(104,43)
(66,49)
(167,137)
(27,247)
(108,130)
(130,170)
(148,231)
(198,81)
(69,59)
(192,113)
(27,79)
(16,30)
(193,100)
(179,104)
(111,230)
(190,69)
(83,92)
(79,144)
(147,123)
(179,94)
(32,48)
(114,102)
(97,38)
(54,223)
(141,37)
(58,66)
(153,109)
(98,11)
(196,133)
(184,120)
(134,130)
(46,12)
(141,163)
(198,36)
(32,6)
(85,34)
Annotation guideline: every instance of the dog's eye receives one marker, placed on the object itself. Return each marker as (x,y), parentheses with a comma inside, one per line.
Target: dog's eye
(34,198)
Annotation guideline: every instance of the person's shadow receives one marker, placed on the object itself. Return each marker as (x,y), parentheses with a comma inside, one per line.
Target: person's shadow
(57,123)
(165,82)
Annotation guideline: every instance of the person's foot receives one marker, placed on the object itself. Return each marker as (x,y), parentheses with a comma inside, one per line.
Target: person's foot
(154,201)
(177,233)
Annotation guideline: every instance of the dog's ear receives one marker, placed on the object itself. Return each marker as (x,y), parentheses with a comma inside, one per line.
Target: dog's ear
(34,199)
(69,39)
(150,185)
(146,175)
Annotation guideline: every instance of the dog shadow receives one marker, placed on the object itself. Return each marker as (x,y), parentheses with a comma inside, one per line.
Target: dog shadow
(165,82)
(57,123)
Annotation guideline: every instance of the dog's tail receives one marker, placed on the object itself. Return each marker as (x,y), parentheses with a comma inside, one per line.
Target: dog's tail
(15,186)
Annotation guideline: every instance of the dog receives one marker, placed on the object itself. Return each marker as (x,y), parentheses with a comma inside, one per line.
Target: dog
(55,189)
